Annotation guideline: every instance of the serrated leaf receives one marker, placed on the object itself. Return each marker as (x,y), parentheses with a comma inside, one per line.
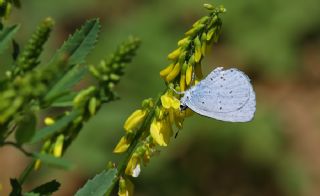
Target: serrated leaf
(16,187)
(6,36)
(100,184)
(57,126)
(78,46)
(46,188)
(26,128)
(72,77)
(52,160)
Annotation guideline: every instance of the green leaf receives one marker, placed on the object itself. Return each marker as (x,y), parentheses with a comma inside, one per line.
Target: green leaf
(46,188)
(52,160)
(26,128)
(6,35)
(72,77)
(64,101)
(57,126)
(16,187)
(100,184)
(78,46)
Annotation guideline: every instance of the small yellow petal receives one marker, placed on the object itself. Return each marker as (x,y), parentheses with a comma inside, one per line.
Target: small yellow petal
(197,52)
(155,131)
(49,121)
(173,74)
(135,120)
(169,101)
(175,104)
(122,146)
(161,132)
(197,26)
(210,34)
(175,54)
(58,146)
(166,70)
(132,164)
(182,83)
(189,75)
(166,101)
(183,41)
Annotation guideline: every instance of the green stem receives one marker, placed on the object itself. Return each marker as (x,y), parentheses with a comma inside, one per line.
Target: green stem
(26,172)
(16,146)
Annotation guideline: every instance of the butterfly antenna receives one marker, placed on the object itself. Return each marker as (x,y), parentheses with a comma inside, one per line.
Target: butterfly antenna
(177,92)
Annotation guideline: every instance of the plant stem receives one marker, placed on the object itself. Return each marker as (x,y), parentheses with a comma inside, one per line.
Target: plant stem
(17,146)
(26,172)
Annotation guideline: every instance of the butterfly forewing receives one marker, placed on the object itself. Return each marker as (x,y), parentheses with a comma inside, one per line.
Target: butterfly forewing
(222,91)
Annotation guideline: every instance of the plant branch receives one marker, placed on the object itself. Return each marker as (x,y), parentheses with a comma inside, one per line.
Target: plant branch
(29,154)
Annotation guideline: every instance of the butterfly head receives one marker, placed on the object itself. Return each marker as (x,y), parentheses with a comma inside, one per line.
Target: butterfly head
(184,100)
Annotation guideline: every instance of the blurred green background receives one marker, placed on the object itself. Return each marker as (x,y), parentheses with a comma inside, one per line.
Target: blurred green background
(277,43)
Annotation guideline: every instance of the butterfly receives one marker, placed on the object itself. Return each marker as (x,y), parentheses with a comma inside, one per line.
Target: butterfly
(225,95)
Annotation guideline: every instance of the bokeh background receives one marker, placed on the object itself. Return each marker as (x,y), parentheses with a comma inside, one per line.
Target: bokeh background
(277,43)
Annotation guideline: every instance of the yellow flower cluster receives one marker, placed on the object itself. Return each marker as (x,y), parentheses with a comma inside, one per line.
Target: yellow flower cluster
(152,126)
(191,49)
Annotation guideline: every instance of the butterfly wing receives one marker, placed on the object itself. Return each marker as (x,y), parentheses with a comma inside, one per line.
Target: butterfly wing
(224,95)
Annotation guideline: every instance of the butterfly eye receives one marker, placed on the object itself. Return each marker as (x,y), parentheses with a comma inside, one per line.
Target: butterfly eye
(183,107)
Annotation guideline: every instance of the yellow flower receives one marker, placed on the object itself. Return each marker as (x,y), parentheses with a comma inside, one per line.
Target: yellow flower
(173,74)
(189,74)
(49,121)
(183,41)
(126,187)
(175,54)
(167,70)
(182,83)
(161,131)
(122,146)
(168,101)
(58,146)
(133,166)
(135,120)
(197,53)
